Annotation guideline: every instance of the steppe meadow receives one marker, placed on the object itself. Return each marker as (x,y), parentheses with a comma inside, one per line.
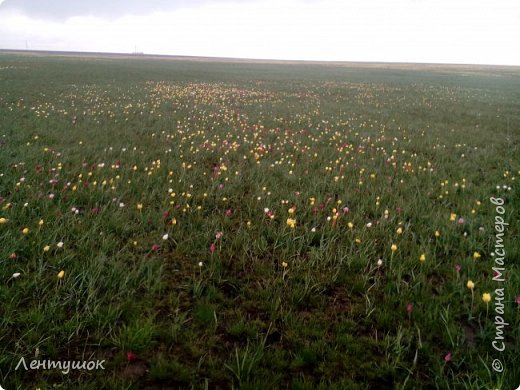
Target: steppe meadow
(182,223)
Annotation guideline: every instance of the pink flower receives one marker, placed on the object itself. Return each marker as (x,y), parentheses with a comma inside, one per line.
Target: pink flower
(447,357)
(166,214)
(517,300)
(457,268)
(229,212)
(219,235)
(155,247)
(345,210)
(409,308)
(212,248)
(95,210)
(460,221)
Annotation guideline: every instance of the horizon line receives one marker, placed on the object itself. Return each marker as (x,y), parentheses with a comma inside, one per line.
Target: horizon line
(250,59)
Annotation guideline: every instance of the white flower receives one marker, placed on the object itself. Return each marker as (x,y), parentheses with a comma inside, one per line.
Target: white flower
(313,230)
(165,237)
(266,210)
(379,263)
(369,225)
(60,244)
(16,275)
(121,205)
(201,263)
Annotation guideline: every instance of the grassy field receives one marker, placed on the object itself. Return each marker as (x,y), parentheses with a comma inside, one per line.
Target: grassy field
(220,225)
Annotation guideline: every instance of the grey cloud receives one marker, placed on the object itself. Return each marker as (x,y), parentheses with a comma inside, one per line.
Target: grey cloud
(63,9)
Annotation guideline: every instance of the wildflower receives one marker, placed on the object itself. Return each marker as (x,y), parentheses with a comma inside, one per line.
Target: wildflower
(437,233)
(3,221)
(313,230)
(16,275)
(174,221)
(165,237)
(40,222)
(212,248)
(422,258)
(218,235)
(379,263)
(155,247)
(291,210)
(60,244)
(393,247)
(12,256)
(453,216)
(131,357)
(460,221)
(486,297)
(457,268)
(61,274)
(291,223)
(25,231)
(201,263)
(284,264)
(139,206)
(399,230)
(46,248)
(470,285)
(350,225)
(476,256)
(447,357)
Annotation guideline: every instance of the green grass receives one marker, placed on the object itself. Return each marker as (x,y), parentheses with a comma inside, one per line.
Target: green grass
(361,158)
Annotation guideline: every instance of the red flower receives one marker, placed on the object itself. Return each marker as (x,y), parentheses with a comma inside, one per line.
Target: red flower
(447,358)
(155,247)
(212,248)
(131,357)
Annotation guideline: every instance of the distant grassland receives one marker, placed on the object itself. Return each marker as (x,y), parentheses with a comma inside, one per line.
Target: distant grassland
(256,225)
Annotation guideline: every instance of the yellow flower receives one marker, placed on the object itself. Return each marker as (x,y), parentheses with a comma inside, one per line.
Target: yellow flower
(40,222)
(46,248)
(486,297)
(174,221)
(422,259)
(437,233)
(393,247)
(350,225)
(284,264)
(3,220)
(399,230)
(139,206)
(25,231)
(292,210)
(476,255)
(61,274)
(470,285)
(291,223)
(453,216)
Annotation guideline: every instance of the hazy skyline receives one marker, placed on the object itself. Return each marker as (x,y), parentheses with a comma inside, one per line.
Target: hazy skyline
(439,31)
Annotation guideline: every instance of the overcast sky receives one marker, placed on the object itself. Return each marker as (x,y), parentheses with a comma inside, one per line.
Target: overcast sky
(447,31)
